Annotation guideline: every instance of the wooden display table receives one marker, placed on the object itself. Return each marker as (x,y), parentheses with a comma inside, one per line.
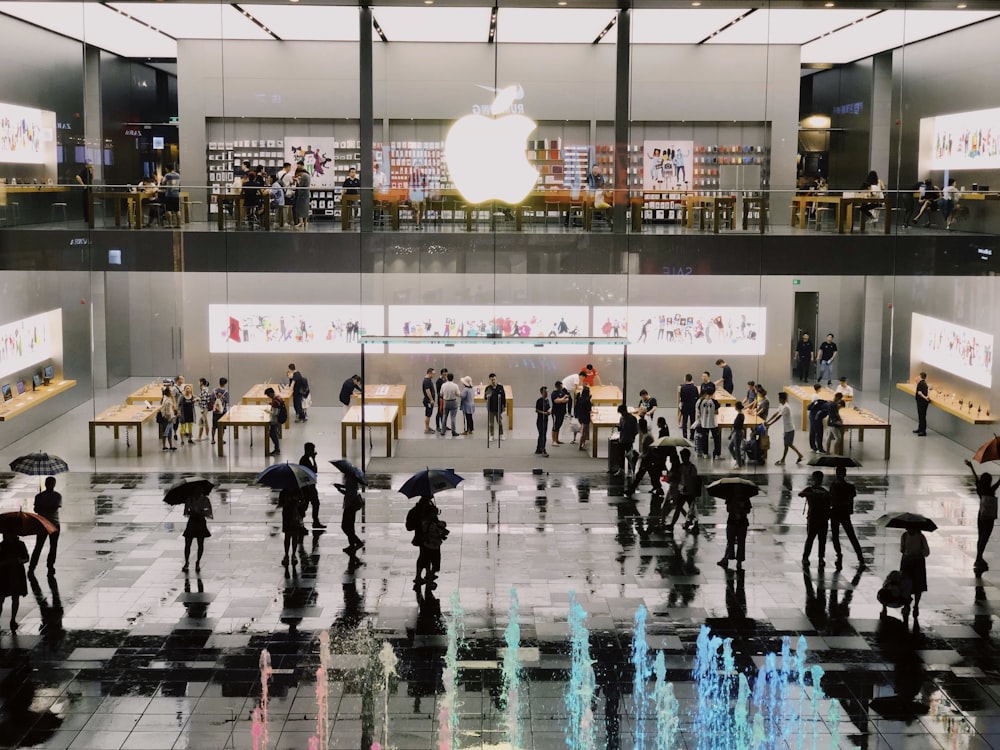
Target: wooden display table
(236,199)
(375,416)
(256,397)
(244,415)
(844,208)
(606,395)
(949,405)
(508,391)
(804,395)
(724,397)
(602,417)
(717,204)
(376,393)
(153,393)
(20,404)
(758,203)
(727,415)
(127,415)
(861,420)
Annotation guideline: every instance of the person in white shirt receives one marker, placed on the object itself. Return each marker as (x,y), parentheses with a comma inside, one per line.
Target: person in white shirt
(451,395)
(378,179)
(844,389)
(784,413)
(948,202)
(572,383)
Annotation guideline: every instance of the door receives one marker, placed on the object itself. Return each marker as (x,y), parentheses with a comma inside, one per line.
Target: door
(805,318)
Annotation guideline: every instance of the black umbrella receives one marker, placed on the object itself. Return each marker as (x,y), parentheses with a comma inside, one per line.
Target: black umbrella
(348,469)
(286,477)
(728,488)
(826,459)
(425,483)
(187,489)
(907,520)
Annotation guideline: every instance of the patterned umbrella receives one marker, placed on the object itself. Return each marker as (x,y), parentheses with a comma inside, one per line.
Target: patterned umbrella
(39,465)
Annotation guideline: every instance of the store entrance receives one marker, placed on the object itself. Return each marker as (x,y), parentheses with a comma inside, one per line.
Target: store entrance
(806,318)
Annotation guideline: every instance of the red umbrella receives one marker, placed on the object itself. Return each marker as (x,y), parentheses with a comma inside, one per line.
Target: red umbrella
(988,451)
(25,524)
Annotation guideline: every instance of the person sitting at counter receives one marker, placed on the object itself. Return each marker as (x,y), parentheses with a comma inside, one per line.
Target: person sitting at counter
(928,201)
(252,186)
(151,199)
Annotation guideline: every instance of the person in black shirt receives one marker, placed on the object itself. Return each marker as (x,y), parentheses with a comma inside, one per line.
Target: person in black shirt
(687,399)
(560,399)
(827,353)
(628,430)
(805,353)
(351,386)
(352,192)
(647,405)
(310,495)
(923,401)
(817,516)
(542,412)
(429,396)
(300,392)
(842,494)
(439,418)
(726,381)
(707,387)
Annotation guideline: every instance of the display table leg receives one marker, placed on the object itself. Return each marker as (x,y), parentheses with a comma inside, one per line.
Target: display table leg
(221,438)
(343,440)
(388,440)
(93,439)
(138,439)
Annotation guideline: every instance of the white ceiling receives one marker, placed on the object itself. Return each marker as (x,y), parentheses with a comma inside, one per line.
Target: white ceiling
(150,29)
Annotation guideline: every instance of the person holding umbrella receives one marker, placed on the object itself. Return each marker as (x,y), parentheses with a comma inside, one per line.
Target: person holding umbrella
(737,524)
(429,531)
(47,505)
(913,565)
(817,512)
(987,492)
(197,509)
(291,523)
(13,582)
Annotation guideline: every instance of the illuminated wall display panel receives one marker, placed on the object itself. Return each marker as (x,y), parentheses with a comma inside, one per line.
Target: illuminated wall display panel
(266,329)
(960,351)
(504,321)
(667,165)
(685,330)
(965,140)
(30,341)
(316,155)
(27,136)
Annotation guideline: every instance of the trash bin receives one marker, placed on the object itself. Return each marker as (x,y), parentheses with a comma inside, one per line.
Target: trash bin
(616,456)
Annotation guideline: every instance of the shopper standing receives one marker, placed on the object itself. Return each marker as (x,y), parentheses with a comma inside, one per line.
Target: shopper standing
(310,495)
(353,502)
(496,405)
(47,505)
(687,400)
(205,402)
(278,411)
(737,523)
(300,208)
(914,552)
(804,356)
(737,436)
(439,401)
(197,510)
(827,353)
(726,381)
(189,405)
(923,401)
(560,399)
(451,397)
(220,406)
(542,412)
(468,404)
(167,417)
(581,410)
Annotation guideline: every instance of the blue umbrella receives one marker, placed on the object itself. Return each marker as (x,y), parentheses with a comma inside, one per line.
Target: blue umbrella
(286,477)
(427,482)
(348,469)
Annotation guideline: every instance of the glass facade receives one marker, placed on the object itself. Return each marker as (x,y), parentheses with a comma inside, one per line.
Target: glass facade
(706,131)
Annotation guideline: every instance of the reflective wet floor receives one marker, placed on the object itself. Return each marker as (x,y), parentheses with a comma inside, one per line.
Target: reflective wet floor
(121,649)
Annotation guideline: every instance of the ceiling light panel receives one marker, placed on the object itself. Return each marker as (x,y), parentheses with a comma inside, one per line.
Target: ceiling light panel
(433,24)
(95,24)
(195,20)
(886,31)
(552,25)
(326,23)
(796,26)
(682,26)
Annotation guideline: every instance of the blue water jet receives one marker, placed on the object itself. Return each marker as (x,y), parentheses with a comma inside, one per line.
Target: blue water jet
(580,734)
(666,707)
(641,675)
(512,674)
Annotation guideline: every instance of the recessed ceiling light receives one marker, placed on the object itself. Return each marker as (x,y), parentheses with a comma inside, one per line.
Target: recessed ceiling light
(961,6)
(562,3)
(696,4)
(828,5)
(428,2)
(293,1)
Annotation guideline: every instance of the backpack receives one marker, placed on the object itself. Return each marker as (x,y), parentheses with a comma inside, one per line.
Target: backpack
(219,407)
(282,414)
(304,387)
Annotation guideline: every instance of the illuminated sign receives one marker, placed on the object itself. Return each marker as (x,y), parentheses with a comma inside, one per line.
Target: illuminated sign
(955,349)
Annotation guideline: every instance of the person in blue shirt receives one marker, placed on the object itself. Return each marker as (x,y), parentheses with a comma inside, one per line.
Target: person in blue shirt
(726,381)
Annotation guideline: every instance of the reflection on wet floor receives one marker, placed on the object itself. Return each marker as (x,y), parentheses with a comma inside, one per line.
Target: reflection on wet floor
(122,650)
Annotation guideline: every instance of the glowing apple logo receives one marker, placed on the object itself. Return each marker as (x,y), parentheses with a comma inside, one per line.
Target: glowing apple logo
(486,155)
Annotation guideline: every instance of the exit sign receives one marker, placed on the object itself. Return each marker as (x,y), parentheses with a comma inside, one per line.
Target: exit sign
(796,282)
